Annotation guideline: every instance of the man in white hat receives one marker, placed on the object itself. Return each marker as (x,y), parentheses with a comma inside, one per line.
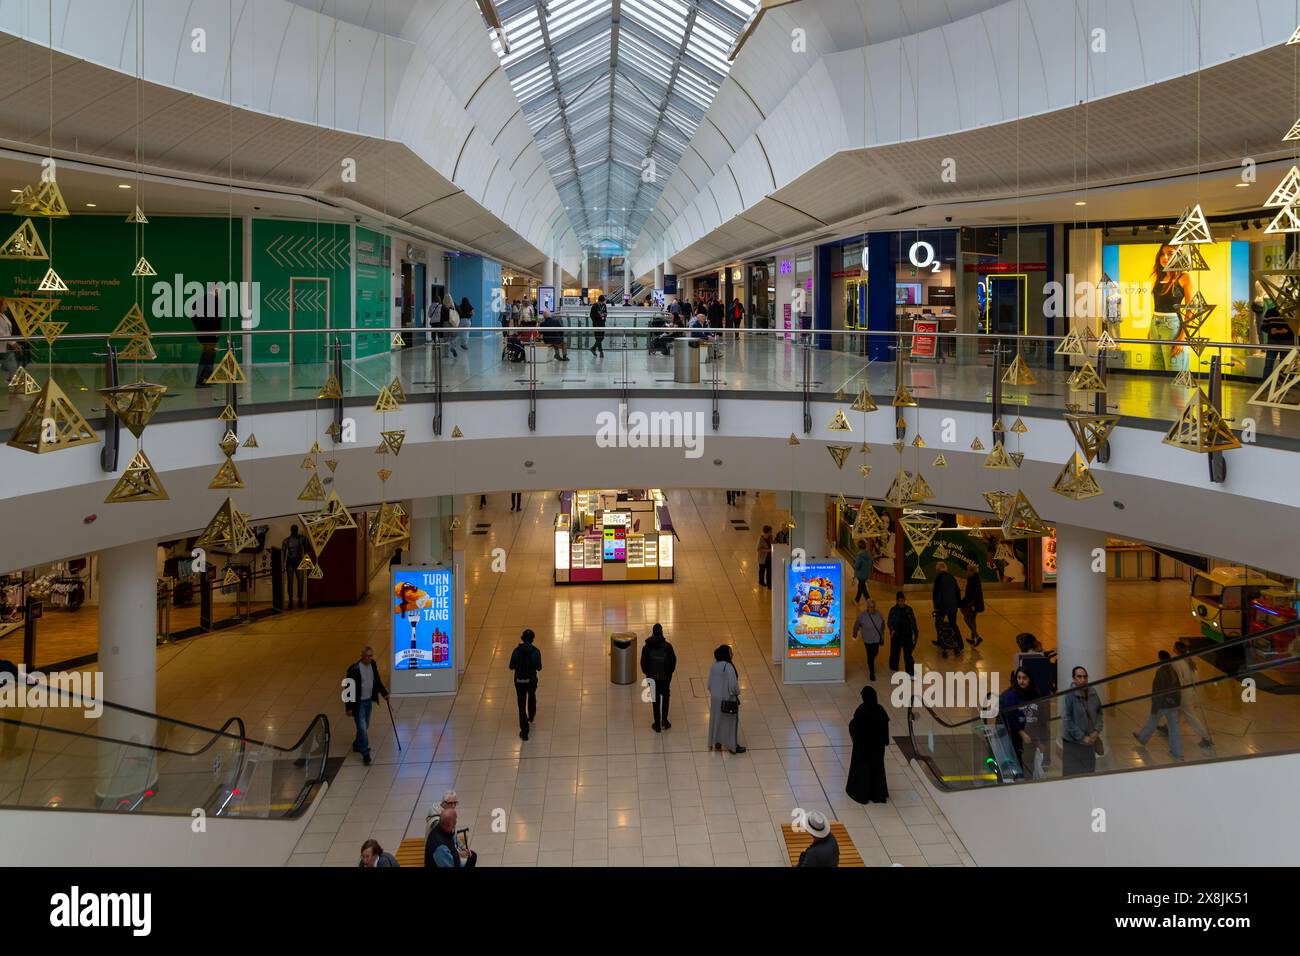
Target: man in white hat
(825,849)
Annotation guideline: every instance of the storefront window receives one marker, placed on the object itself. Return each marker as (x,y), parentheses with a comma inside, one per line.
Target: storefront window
(925,289)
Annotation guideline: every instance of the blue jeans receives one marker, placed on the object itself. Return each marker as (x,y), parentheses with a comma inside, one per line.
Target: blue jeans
(362,718)
(1170,715)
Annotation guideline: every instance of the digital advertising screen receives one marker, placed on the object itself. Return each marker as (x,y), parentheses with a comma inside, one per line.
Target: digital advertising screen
(546,298)
(422,618)
(814,623)
(907,293)
(1148,296)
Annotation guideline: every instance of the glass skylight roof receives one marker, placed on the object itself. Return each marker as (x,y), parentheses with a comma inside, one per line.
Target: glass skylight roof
(606,84)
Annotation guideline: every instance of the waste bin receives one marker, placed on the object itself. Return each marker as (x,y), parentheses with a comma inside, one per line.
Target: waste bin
(622,658)
(686,361)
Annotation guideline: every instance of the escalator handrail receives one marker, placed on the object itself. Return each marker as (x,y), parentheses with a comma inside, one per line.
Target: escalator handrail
(1213,648)
(157,748)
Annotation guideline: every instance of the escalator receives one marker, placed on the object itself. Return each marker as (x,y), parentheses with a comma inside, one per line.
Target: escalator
(1249,685)
(63,751)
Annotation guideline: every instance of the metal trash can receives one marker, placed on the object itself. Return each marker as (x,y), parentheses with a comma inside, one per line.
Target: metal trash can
(622,658)
(686,361)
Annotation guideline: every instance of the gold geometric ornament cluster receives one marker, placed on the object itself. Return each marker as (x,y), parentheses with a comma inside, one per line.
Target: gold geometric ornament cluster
(1279,389)
(1201,428)
(1086,379)
(52,423)
(1076,481)
(1091,431)
(1019,373)
(920,528)
(387,527)
(134,404)
(138,483)
(1021,520)
(25,243)
(45,200)
(227,532)
(228,371)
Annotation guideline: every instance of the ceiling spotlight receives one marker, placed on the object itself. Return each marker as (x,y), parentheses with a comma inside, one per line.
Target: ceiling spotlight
(123,186)
(90,205)
(1081,203)
(1242,185)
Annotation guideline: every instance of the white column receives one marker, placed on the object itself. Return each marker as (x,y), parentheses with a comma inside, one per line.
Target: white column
(1080,603)
(585,284)
(659,275)
(429,542)
(128,660)
(809,512)
(627,276)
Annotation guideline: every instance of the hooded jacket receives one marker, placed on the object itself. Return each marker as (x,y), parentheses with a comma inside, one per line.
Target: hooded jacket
(658,659)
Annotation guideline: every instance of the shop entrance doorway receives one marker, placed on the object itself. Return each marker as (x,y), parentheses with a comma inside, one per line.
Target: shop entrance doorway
(309,310)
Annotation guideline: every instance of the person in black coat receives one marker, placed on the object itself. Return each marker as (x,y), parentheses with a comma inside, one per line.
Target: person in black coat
(367,687)
(946,595)
(972,604)
(658,662)
(207,323)
(869,730)
(599,316)
(526,662)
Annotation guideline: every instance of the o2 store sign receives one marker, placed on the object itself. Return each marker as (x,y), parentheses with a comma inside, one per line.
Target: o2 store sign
(422,618)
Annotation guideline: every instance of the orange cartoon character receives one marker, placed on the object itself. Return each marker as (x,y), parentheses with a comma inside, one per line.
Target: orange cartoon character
(410,598)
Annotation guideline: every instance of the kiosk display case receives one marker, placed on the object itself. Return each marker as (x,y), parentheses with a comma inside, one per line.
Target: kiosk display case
(613,535)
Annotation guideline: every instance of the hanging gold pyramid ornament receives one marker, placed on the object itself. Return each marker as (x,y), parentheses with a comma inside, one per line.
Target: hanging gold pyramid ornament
(308,464)
(395,389)
(1075,480)
(1072,344)
(998,458)
(901,422)
(899,446)
(227,476)
(1019,427)
(22,201)
(318,528)
(138,483)
(138,217)
(52,330)
(1187,259)
(918,573)
(1091,431)
(231,577)
(52,282)
(398,342)
(330,390)
(25,243)
(1287,191)
(227,371)
(1193,314)
(45,200)
(133,325)
(1295,38)
(52,423)
(939,461)
(1086,379)
(334,431)
(1192,228)
(313,490)
(455,524)
(229,443)
(134,404)
(1105,341)
(338,511)
(1277,391)
(22,383)
(1022,520)
(1293,133)
(919,489)
(392,441)
(1197,343)
(138,350)
(1017,457)
(869,524)
(384,474)
(316,573)
(1019,373)
(918,442)
(1004,552)
(840,423)
(1286,220)
(903,398)
(31,314)
(228,414)
(864,471)
(920,528)
(251,442)
(998,502)
(143,268)
(864,402)
(792,440)
(1201,428)
(307,565)
(227,532)
(385,402)
(456,432)
(314,449)
(386,525)
(331,464)
(976,444)
(864,449)
(1184,379)
(900,490)
(839,454)
(998,427)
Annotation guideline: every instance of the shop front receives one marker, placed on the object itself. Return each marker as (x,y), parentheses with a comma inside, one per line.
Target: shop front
(760,281)
(613,536)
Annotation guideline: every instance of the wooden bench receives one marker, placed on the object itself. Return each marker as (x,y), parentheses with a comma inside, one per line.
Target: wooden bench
(796,843)
(411,853)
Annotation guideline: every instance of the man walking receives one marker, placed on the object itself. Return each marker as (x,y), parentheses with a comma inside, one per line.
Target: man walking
(366,687)
(293,548)
(206,319)
(862,571)
(526,662)
(658,661)
(902,633)
(599,316)
(1166,701)
(946,595)
(870,626)
(765,557)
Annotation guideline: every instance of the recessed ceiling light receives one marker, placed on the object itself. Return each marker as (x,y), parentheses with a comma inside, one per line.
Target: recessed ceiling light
(1081,203)
(15,190)
(1242,185)
(123,186)
(91,205)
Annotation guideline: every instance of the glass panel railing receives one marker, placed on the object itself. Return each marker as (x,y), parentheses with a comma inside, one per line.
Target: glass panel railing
(1220,701)
(59,750)
(635,351)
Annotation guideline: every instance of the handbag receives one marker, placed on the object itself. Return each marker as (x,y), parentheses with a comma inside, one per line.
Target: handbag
(732,706)
(1098,745)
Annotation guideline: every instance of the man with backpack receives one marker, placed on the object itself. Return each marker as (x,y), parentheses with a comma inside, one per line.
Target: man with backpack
(293,548)
(526,661)
(658,662)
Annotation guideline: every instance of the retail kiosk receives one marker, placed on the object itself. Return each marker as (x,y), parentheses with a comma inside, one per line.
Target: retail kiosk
(613,536)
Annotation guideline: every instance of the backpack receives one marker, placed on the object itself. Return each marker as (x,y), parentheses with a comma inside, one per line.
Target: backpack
(658,660)
(525,666)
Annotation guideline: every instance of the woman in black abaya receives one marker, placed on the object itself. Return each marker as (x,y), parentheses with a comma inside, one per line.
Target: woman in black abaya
(869,730)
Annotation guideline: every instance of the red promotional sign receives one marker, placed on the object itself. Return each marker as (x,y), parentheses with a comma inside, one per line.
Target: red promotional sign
(924,344)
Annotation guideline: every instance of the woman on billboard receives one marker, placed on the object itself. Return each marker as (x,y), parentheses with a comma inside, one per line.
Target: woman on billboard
(1169,290)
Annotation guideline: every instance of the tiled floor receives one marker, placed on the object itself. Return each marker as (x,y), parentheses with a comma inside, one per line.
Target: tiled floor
(762,364)
(594,784)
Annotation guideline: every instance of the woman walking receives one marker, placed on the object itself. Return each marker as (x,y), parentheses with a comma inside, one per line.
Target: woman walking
(466,311)
(724,703)
(972,604)
(869,730)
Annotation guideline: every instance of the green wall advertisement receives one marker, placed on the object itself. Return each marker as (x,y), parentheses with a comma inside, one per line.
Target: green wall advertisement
(374,290)
(303,276)
(94,255)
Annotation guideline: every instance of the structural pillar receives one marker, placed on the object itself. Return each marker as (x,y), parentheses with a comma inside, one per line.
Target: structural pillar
(659,275)
(627,277)
(585,281)
(1080,603)
(128,661)
(430,537)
